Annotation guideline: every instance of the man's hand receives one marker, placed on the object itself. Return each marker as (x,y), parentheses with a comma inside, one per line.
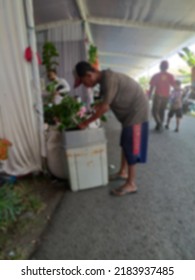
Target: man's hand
(100,109)
(96,107)
(83,125)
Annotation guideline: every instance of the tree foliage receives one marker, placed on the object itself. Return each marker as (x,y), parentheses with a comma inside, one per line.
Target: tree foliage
(144,82)
(188,56)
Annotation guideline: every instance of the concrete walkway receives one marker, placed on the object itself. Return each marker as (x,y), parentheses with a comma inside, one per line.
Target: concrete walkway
(156,223)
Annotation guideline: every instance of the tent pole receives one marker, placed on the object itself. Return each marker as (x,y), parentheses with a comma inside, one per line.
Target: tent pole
(35,72)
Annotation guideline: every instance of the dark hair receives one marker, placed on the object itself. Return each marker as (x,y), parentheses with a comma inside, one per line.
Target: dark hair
(83,67)
(164,65)
(52,70)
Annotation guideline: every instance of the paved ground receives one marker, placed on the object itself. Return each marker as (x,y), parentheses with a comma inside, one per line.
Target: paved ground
(156,223)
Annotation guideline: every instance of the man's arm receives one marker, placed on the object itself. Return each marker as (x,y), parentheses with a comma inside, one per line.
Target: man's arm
(108,92)
(151,89)
(101,109)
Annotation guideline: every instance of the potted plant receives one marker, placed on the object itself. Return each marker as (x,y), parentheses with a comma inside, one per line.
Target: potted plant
(93,56)
(49,56)
(73,153)
(49,60)
(70,150)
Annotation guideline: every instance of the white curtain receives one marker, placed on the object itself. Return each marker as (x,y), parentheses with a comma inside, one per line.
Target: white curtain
(18,120)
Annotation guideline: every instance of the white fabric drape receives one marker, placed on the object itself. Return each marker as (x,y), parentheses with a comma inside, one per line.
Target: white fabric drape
(18,121)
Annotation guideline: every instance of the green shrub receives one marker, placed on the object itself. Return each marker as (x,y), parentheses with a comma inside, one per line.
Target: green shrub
(49,56)
(14,201)
(66,112)
(10,205)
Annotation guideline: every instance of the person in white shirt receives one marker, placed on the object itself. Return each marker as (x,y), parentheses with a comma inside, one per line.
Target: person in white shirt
(61,86)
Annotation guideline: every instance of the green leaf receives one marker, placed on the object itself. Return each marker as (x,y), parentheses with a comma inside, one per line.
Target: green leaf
(188,56)
(48,54)
(103,118)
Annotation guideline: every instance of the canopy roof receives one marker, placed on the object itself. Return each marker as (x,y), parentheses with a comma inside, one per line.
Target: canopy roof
(131,35)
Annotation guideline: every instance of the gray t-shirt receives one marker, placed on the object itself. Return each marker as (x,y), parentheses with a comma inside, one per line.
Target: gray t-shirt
(125,97)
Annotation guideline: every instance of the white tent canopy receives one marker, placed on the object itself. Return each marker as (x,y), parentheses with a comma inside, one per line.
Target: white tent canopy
(131,35)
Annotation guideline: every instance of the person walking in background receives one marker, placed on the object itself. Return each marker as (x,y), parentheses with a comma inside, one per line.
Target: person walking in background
(161,83)
(175,105)
(126,99)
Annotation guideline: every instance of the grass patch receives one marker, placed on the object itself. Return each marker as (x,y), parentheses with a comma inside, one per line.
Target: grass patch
(20,205)
(25,209)
(16,200)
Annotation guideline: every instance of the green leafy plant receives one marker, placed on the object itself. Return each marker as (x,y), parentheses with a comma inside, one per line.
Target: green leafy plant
(66,113)
(144,82)
(51,89)
(10,205)
(69,114)
(188,56)
(186,76)
(14,201)
(93,54)
(49,56)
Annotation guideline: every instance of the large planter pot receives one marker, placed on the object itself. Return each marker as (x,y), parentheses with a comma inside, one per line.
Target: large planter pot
(79,156)
(56,161)
(86,155)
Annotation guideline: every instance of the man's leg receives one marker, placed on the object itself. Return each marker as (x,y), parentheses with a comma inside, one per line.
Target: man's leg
(162,109)
(168,119)
(156,110)
(134,143)
(130,141)
(178,118)
(129,186)
(123,172)
(130,183)
(177,124)
(168,123)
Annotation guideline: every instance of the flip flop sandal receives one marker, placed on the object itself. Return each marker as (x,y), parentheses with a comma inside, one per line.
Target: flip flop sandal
(117,177)
(122,192)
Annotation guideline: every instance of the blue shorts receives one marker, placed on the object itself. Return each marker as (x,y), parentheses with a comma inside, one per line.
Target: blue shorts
(134,142)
